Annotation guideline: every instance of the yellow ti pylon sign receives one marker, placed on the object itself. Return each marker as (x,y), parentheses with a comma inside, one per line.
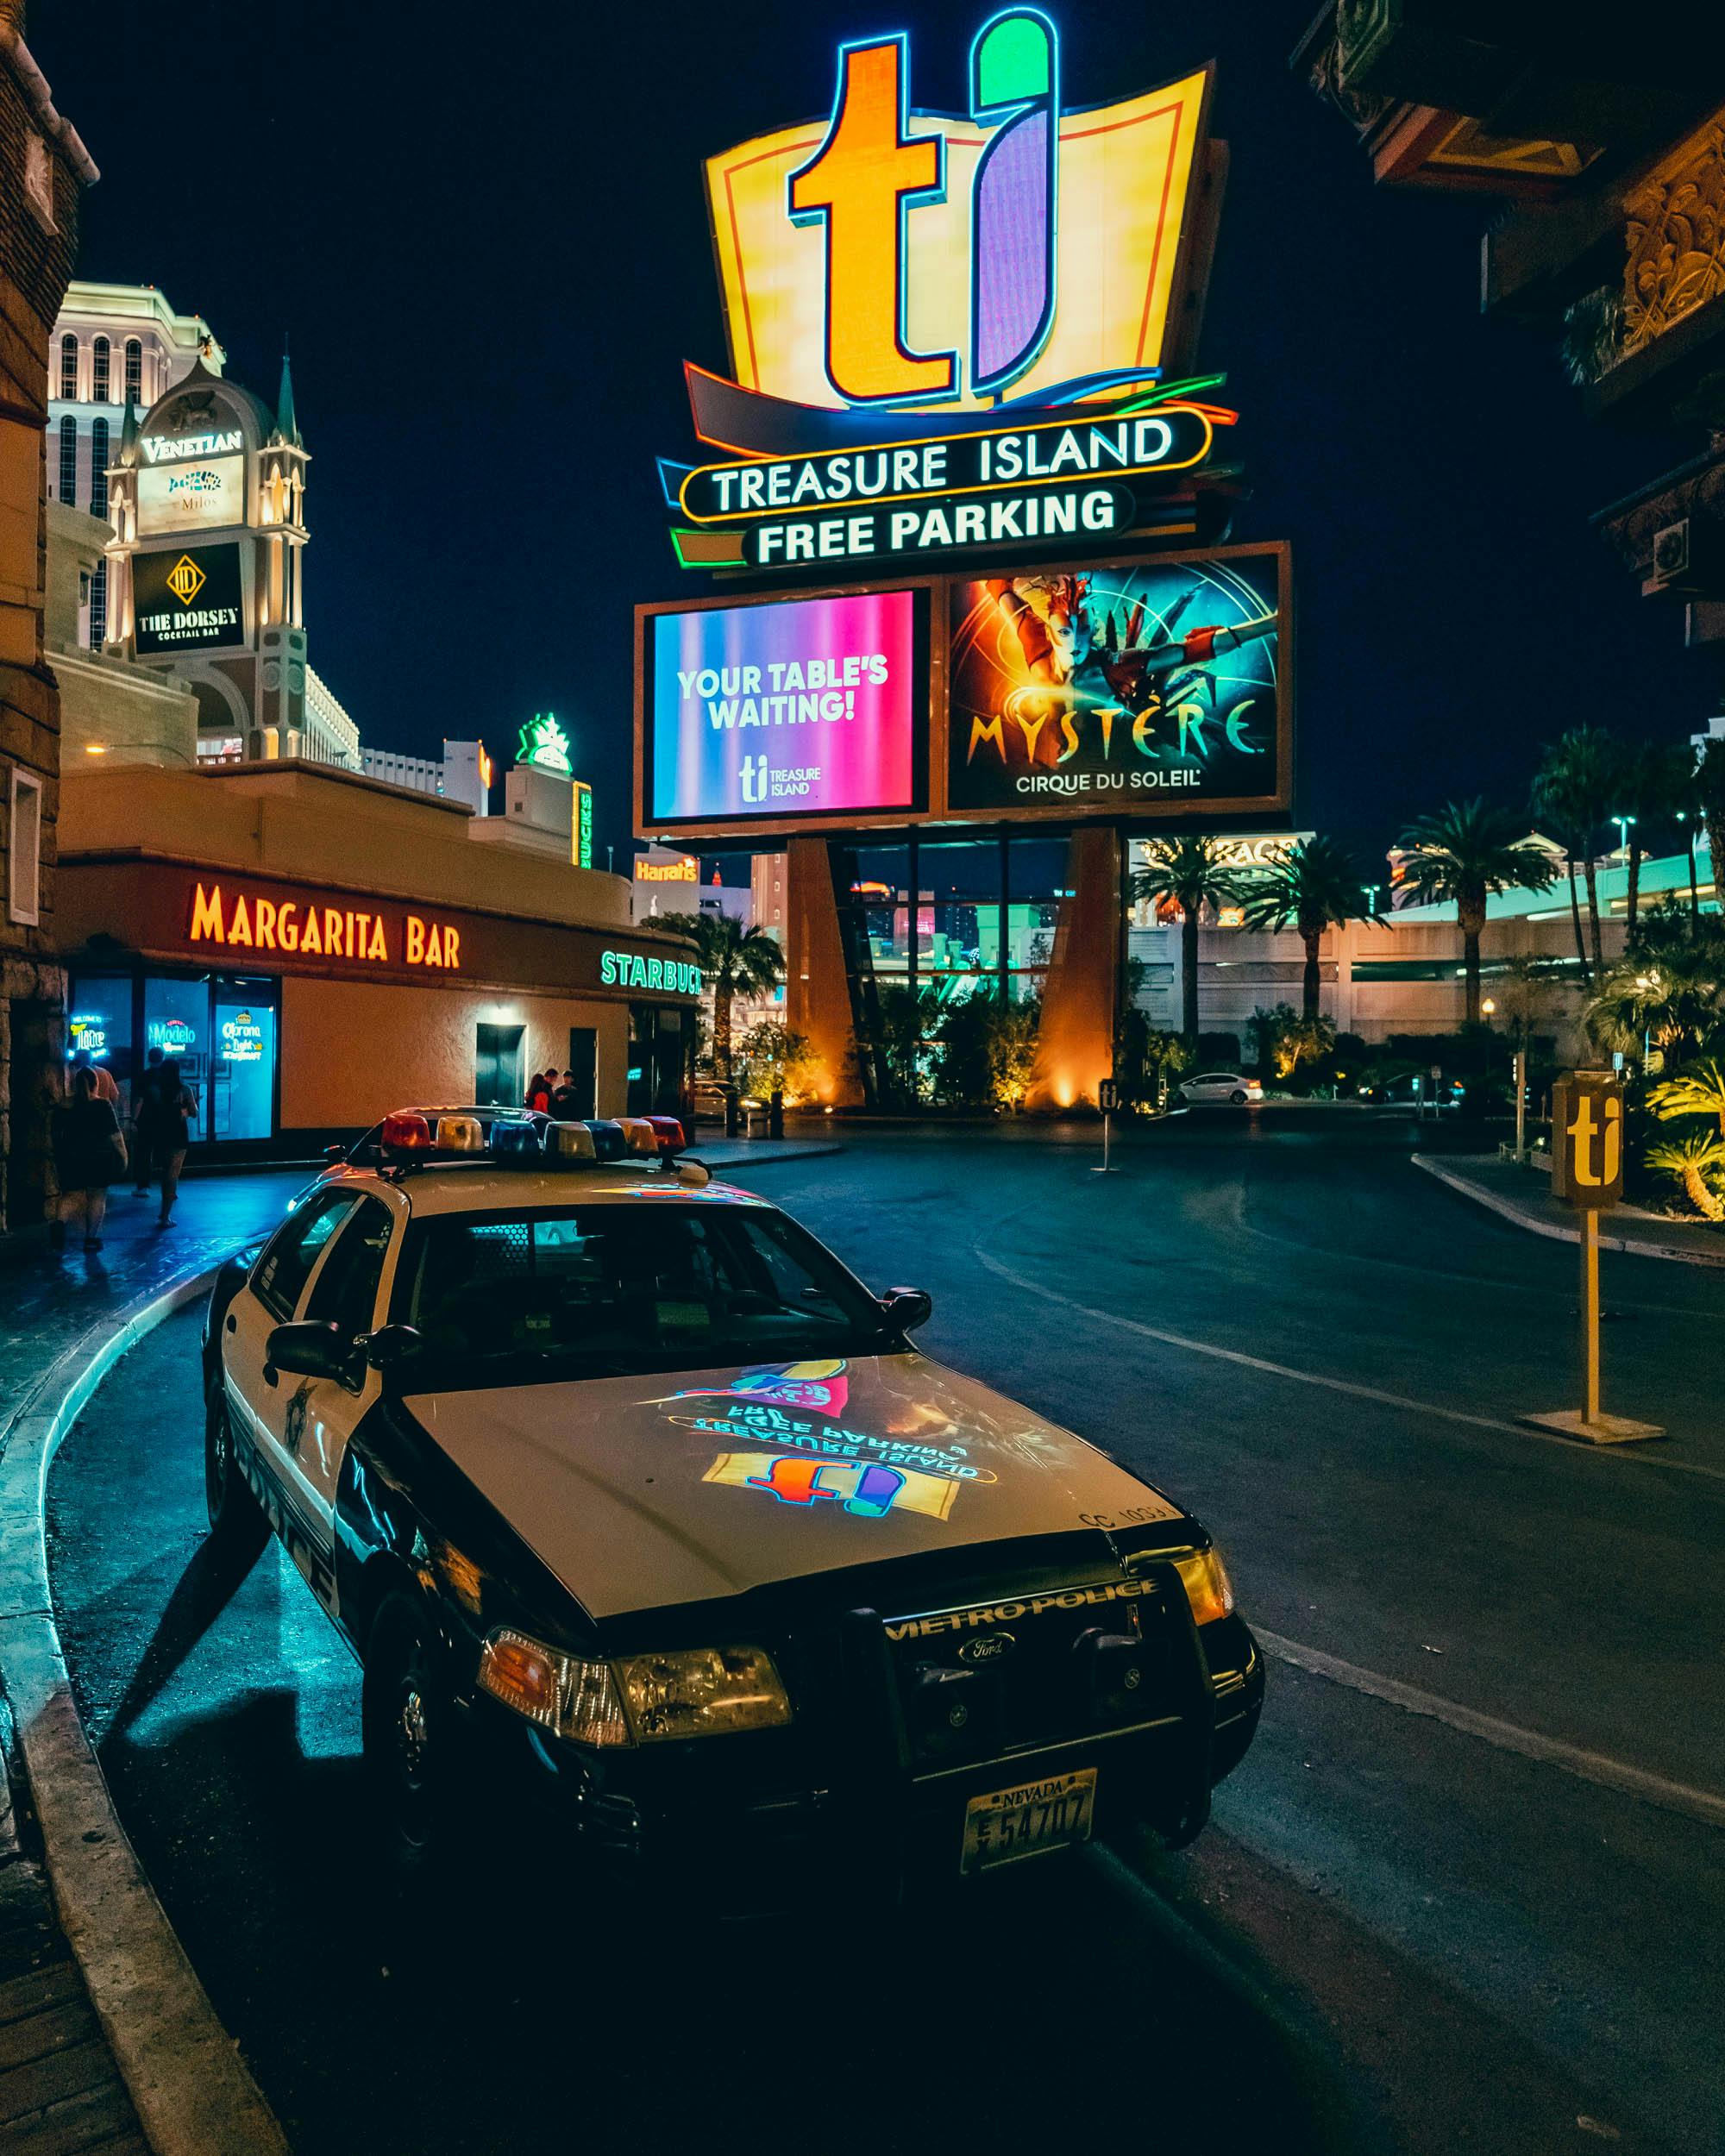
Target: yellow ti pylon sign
(1587,1140)
(1587,1173)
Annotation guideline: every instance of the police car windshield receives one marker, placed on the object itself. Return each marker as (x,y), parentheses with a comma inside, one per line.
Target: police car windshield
(614,1290)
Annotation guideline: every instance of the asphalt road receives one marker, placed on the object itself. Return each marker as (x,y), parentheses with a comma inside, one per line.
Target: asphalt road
(1468,1890)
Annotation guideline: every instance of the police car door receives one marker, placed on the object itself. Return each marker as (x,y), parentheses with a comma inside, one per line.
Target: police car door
(259,1397)
(346,1290)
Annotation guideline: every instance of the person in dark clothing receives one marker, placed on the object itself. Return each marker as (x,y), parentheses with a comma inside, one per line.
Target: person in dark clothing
(89,1154)
(171,1108)
(143,1095)
(565,1102)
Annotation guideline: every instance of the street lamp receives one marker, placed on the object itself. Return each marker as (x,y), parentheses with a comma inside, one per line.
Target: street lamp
(1622,823)
(1488,1009)
(1371,891)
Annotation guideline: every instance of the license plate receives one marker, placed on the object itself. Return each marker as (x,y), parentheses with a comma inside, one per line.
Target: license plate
(1008,1824)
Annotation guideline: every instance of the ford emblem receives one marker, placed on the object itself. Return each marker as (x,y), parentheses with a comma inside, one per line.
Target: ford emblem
(987,1646)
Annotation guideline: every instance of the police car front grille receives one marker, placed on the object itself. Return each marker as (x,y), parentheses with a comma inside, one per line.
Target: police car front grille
(998,1677)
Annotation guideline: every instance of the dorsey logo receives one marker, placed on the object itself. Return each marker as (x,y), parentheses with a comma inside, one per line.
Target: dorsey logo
(185,580)
(871,171)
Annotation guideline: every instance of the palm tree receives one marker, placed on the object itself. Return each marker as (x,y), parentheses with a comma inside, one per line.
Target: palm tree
(736,962)
(1462,855)
(1188,872)
(1669,987)
(1692,1161)
(1575,788)
(1315,883)
(1700,1090)
(1653,787)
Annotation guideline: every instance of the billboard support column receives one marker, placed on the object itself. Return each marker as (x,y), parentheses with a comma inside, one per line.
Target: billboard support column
(1075,1044)
(816,992)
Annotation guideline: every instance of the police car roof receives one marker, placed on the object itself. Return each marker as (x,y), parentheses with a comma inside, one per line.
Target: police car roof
(486,1186)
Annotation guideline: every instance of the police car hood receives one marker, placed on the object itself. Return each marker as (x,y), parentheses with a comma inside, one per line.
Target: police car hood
(644,1491)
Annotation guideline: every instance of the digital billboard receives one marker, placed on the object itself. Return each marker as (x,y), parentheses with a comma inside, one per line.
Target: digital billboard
(1118,689)
(189,600)
(191,497)
(787,708)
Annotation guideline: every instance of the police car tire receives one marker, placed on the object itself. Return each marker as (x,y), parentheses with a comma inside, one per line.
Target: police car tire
(408,1740)
(238,1526)
(1238,1100)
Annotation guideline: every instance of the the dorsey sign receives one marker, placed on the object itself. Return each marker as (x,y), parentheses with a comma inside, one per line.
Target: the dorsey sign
(189,601)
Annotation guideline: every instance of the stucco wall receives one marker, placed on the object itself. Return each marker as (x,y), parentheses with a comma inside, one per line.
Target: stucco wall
(352,1050)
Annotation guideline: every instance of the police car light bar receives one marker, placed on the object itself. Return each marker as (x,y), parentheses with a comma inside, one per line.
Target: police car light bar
(428,1136)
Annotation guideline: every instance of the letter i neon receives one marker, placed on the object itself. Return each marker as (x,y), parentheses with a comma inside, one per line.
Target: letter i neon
(1014,78)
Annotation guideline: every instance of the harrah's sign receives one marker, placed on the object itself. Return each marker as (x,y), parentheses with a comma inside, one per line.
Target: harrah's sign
(305,930)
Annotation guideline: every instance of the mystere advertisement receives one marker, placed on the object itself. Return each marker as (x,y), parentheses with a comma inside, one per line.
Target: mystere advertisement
(1103,688)
(792,708)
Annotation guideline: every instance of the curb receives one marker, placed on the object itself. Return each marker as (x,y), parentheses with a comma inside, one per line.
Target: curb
(192,2091)
(1507,1209)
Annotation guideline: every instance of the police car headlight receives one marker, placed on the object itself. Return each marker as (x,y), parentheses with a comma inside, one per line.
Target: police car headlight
(702,1692)
(1205,1578)
(561,1692)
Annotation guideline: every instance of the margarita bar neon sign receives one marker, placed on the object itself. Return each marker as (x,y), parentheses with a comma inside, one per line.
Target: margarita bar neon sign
(303,930)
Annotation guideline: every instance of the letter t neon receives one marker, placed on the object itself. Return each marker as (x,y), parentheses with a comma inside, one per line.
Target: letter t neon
(864,177)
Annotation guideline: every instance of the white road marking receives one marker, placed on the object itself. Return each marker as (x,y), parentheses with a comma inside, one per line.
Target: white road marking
(1400,1400)
(1587,1766)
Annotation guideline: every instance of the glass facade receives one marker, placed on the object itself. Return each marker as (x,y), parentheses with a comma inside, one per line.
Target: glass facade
(220,1029)
(928,925)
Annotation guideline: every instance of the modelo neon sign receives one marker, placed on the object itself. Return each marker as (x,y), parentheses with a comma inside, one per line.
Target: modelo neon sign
(630,969)
(303,930)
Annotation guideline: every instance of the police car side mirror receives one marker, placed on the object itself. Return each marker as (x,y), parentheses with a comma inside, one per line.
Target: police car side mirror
(389,1345)
(310,1348)
(905,1308)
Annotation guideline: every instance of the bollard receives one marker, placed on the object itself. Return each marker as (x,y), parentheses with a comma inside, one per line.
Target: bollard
(776,1113)
(733,1112)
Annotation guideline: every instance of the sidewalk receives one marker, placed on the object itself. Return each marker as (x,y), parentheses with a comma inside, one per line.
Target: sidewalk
(59,2087)
(1523,1195)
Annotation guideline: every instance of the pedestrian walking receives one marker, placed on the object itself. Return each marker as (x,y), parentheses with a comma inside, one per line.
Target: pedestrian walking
(143,1098)
(89,1154)
(171,1111)
(106,1089)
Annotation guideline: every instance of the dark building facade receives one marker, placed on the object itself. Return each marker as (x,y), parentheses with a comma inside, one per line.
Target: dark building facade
(43,169)
(1603,141)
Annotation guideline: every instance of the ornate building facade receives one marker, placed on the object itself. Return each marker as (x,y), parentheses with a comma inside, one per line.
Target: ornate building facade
(44,168)
(1605,146)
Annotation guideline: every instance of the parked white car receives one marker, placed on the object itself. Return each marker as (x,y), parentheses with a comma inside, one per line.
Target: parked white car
(1226,1088)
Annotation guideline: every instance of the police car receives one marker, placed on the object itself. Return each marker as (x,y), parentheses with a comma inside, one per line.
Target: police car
(628,1495)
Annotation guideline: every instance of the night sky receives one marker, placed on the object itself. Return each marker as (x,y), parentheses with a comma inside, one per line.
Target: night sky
(484,235)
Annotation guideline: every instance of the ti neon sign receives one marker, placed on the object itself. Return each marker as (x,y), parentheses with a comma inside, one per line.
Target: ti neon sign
(1017,259)
(898,257)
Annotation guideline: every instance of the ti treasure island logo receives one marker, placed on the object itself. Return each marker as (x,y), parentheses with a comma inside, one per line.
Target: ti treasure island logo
(957,344)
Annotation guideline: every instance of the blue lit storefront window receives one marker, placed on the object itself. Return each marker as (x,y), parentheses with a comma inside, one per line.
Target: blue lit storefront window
(221,1030)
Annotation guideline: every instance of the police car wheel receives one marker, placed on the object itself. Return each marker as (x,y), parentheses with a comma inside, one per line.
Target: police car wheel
(1239,1099)
(408,1740)
(237,1524)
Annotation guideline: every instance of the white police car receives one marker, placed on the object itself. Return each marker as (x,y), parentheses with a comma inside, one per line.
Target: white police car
(614,1477)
